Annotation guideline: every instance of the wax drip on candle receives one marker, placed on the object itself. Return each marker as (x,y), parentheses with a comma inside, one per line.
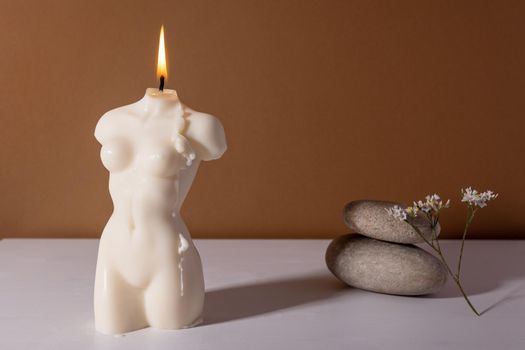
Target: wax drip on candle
(183,246)
(181,143)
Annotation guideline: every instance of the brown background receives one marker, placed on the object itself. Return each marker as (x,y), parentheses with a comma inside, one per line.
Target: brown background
(322,101)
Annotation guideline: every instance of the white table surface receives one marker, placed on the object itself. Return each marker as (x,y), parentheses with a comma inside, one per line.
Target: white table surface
(265,294)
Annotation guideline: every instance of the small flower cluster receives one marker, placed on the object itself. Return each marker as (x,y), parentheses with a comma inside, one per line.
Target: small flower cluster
(397,212)
(430,209)
(430,206)
(476,199)
(433,204)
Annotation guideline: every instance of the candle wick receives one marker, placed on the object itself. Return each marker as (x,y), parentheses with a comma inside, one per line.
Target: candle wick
(161,86)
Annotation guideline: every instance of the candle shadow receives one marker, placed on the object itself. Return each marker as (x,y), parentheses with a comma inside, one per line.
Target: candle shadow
(243,301)
(486,268)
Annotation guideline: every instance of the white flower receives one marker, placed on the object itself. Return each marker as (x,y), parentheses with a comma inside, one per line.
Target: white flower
(423,206)
(476,199)
(397,212)
(432,204)
(412,211)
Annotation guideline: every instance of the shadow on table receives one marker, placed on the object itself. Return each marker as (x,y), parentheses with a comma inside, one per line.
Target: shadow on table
(243,301)
(485,267)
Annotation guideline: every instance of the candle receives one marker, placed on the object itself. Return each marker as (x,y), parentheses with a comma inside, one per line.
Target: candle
(149,273)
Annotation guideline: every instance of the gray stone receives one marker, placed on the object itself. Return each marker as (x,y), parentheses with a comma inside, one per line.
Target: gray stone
(377,266)
(369,218)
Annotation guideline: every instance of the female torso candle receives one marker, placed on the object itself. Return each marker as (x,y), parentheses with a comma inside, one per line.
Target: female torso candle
(149,272)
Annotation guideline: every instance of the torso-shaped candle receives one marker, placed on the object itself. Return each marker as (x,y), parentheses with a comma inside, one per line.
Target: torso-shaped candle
(149,273)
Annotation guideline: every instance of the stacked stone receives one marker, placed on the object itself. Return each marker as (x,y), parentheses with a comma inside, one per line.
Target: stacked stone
(381,255)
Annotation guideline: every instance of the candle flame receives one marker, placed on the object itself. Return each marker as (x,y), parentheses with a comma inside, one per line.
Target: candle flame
(162,69)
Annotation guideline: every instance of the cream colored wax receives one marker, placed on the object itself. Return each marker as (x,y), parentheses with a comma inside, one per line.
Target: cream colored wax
(149,273)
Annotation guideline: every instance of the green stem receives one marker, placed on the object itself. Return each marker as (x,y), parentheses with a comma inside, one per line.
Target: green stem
(458,283)
(470,217)
(437,249)
(435,237)
(424,238)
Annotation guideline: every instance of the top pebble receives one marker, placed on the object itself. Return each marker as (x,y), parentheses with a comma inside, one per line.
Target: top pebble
(369,218)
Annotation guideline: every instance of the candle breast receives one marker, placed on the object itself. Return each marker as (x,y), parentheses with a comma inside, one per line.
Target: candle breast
(161,112)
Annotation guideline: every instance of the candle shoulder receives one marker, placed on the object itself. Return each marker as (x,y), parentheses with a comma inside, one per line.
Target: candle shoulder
(204,132)
(206,135)
(110,123)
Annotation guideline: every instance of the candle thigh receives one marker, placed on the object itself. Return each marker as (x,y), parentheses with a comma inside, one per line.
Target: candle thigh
(149,273)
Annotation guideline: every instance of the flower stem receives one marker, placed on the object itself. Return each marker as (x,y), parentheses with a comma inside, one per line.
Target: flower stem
(458,283)
(437,249)
(470,217)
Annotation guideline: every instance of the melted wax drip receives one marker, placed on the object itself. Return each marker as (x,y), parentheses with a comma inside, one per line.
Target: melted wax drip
(181,144)
(183,246)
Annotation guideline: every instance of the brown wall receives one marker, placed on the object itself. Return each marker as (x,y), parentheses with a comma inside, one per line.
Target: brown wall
(323,102)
